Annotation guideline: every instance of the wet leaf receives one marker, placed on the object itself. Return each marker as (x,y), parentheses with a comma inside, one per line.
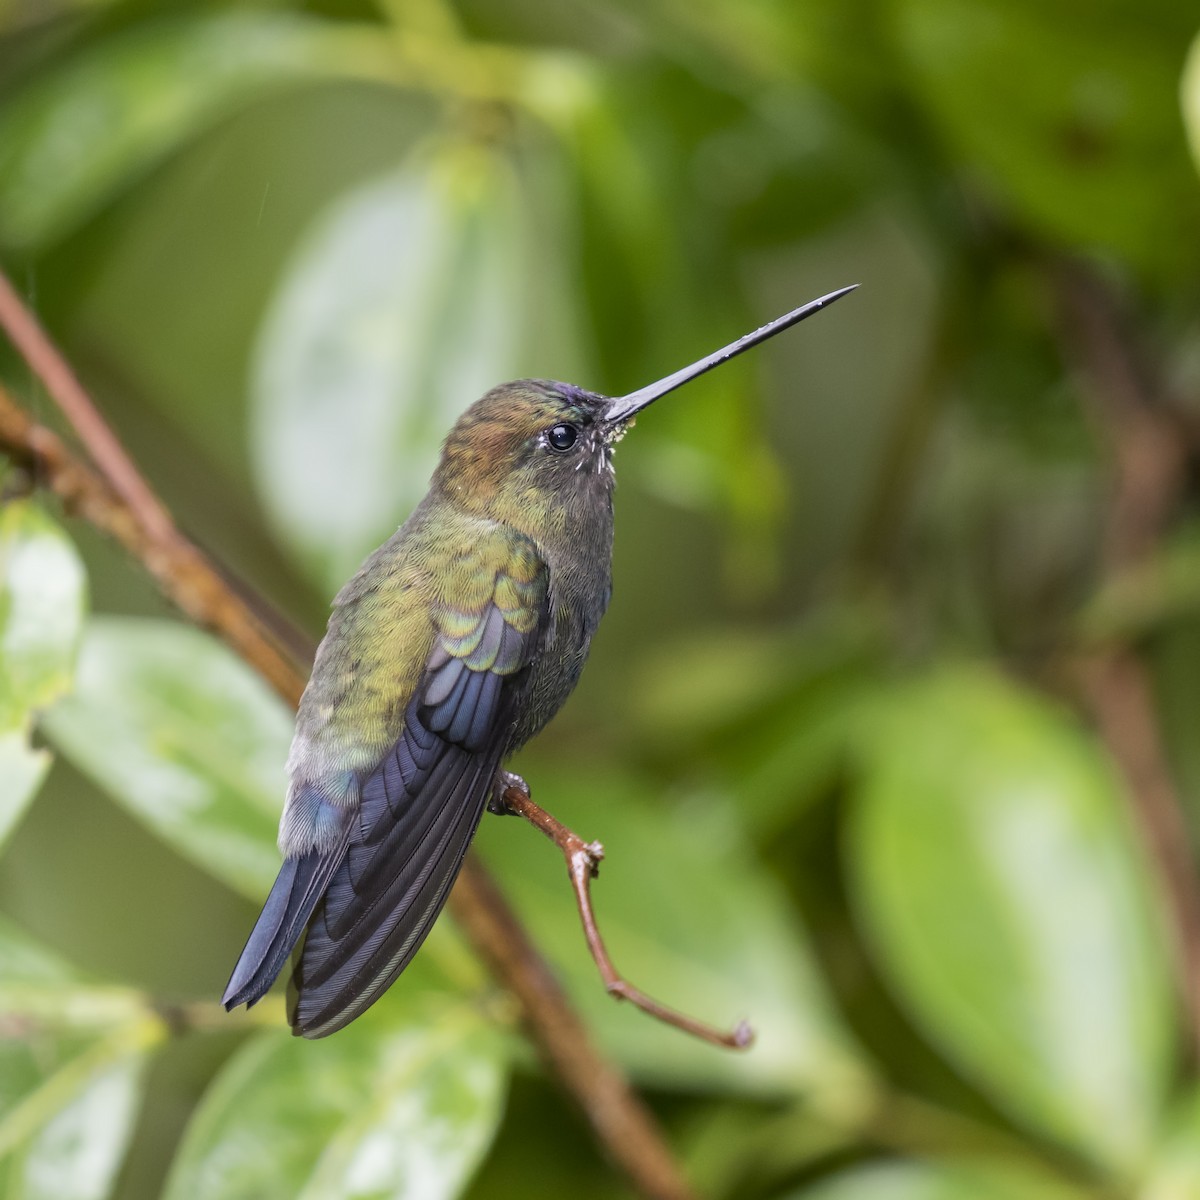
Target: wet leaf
(42,595)
(77,1153)
(998,879)
(400,1104)
(79,133)
(185,736)
(42,602)
(73,1057)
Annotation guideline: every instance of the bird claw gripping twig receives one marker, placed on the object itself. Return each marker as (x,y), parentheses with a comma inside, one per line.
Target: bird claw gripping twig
(512,797)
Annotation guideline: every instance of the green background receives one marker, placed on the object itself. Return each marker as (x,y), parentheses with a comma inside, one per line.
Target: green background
(831,733)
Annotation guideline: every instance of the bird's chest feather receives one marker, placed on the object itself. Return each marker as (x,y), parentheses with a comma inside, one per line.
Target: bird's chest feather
(580,588)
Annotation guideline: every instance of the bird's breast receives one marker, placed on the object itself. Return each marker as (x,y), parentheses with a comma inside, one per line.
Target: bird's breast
(580,586)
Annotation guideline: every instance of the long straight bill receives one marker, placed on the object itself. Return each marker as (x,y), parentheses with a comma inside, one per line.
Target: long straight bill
(623,407)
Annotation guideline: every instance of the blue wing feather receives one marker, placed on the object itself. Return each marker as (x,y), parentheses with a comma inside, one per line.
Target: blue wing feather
(366,903)
(298,889)
(419,809)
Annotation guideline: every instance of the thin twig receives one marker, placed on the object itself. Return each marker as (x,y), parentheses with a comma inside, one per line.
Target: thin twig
(1149,454)
(624,1127)
(182,572)
(583,865)
(106,451)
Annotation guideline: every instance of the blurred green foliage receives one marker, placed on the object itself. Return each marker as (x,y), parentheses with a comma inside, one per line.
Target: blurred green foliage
(285,244)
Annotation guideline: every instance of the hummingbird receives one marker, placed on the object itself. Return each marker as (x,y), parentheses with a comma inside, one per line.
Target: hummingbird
(457,641)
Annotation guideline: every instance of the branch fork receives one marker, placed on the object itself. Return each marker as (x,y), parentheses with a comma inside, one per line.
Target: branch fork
(583,865)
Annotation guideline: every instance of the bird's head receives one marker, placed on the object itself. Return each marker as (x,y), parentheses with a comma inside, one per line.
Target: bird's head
(530,434)
(537,446)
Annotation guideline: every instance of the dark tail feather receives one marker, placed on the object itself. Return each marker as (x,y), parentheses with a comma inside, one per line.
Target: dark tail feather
(360,940)
(298,888)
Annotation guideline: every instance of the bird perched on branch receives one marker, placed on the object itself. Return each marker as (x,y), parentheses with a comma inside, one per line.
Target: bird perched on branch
(458,639)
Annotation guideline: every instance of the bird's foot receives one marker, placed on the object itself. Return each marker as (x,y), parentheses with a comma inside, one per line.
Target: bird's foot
(505,780)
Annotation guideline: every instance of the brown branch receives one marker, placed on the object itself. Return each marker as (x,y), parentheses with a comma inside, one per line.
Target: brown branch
(583,865)
(1145,437)
(623,1125)
(1149,451)
(106,451)
(182,573)
(626,1131)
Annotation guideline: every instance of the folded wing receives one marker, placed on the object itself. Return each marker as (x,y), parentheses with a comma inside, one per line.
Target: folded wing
(421,804)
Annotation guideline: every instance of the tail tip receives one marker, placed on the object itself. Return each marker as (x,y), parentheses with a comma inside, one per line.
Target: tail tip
(240,991)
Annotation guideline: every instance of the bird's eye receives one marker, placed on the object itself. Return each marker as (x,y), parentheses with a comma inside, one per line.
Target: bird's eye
(562,437)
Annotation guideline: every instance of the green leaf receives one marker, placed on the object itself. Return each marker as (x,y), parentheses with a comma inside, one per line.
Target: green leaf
(77,1153)
(77,134)
(999,881)
(42,602)
(402,307)
(950,1180)
(737,1148)
(178,730)
(1068,111)
(1190,95)
(22,770)
(25,960)
(1159,591)
(1175,1173)
(775,711)
(403,1108)
(691,918)
(71,1078)
(701,686)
